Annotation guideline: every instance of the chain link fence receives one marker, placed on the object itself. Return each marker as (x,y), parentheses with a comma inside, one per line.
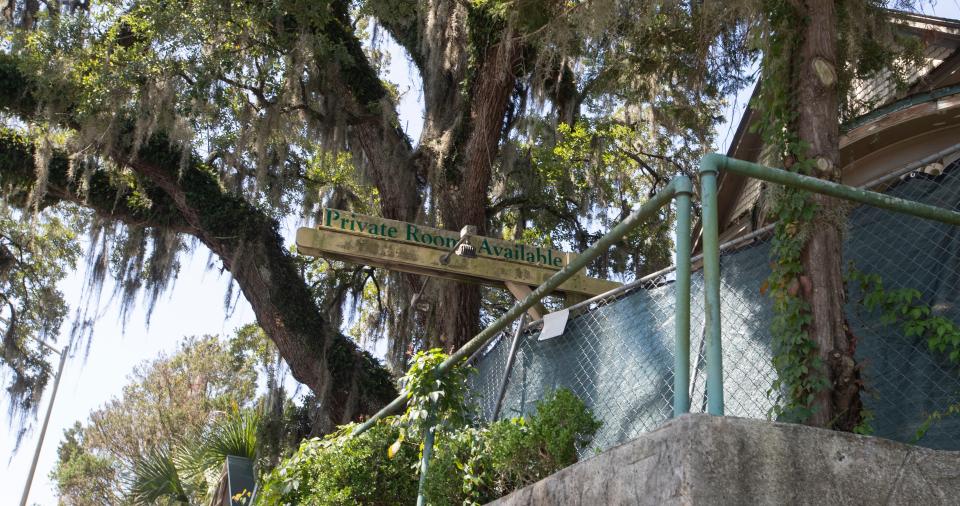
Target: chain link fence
(617,353)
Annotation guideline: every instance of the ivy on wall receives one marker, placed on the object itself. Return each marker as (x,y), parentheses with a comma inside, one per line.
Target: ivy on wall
(800,372)
(867,45)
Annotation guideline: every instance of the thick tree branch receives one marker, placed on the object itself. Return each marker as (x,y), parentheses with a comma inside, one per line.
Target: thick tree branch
(374,129)
(243,237)
(249,245)
(93,189)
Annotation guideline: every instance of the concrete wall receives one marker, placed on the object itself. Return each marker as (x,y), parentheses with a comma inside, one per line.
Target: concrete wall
(700,459)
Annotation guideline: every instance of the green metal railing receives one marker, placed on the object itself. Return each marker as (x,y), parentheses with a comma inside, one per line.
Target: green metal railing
(710,166)
(711,282)
(681,364)
(712,163)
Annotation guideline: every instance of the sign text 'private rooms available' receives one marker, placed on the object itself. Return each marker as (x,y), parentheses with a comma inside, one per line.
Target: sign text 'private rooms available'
(346,221)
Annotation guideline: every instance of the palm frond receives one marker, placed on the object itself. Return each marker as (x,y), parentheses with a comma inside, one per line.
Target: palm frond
(235,435)
(156,479)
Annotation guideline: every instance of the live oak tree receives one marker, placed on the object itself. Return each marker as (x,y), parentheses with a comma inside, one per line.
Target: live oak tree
(179,124)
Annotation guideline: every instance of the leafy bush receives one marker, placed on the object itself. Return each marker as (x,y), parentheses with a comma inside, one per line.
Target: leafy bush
(340,469)
(474,466)
(470,464)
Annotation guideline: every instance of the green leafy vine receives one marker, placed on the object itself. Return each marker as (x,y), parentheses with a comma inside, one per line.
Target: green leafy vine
(800,372)
(433,400)
(904,306)
(867,44)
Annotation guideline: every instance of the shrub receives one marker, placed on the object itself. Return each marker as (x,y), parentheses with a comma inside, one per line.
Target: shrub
(340,470)
(473,466)
(470,465)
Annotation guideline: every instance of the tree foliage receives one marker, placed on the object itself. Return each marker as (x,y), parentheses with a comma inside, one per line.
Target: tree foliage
(83,477)
(35,253)
(132,447)
(215,119)
(210,122)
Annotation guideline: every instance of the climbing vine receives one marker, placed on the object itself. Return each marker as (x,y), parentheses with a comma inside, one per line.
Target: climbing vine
(433,400)
(866,45)
(904,306)
(800,373)
(799,369)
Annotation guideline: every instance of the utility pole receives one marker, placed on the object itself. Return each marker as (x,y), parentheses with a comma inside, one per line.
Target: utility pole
(46,420)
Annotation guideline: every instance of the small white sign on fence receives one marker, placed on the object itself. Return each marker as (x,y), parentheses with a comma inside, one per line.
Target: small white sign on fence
(554,324)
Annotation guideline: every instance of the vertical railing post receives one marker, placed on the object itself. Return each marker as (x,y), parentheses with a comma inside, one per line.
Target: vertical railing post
(711,281)
(506,372)
(425,460)
(681,366)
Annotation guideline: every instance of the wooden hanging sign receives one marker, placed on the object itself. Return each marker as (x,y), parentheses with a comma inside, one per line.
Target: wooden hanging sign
(408,247)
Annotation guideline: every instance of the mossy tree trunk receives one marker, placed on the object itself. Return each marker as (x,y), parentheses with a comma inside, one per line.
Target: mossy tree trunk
(468,80)
(464,176)
(818,126)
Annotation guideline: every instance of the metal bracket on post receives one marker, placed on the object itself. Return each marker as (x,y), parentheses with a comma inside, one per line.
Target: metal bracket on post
(520,292)
(711,282)
(506,373)
(681,366)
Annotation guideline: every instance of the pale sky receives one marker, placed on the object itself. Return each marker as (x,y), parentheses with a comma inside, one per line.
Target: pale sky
(194,306)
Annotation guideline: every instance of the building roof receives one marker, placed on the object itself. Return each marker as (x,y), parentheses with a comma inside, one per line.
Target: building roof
(888,116)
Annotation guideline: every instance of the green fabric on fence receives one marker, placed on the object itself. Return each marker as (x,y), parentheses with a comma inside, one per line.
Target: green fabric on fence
(618,357)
